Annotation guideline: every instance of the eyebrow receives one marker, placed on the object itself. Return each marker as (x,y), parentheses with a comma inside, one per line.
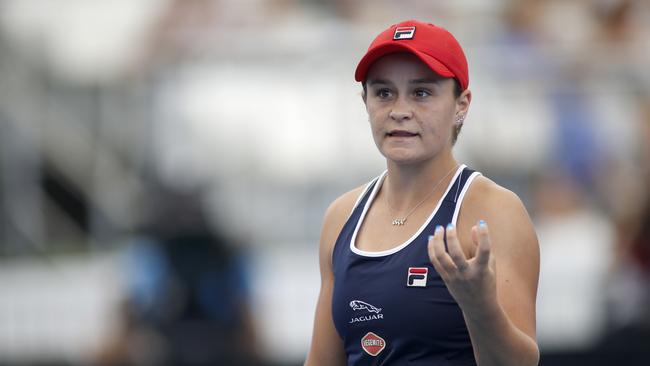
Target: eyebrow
(425,81)
(378,81)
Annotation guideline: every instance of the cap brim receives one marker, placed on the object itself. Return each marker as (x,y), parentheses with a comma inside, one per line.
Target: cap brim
(371,56)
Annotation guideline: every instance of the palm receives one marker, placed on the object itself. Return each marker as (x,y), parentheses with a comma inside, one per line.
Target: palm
(470,281)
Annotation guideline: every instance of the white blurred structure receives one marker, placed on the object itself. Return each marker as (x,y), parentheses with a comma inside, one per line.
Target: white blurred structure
(255,101)
(57,308)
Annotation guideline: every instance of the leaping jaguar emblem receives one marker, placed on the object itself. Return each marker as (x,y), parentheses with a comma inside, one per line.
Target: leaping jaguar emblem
(360,305)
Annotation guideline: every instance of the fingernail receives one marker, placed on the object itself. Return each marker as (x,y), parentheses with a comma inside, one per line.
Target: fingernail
(450,226)
(439,228)
(430,237)
(481,223)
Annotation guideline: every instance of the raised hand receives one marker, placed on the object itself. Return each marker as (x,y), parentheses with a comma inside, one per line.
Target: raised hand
(472,282)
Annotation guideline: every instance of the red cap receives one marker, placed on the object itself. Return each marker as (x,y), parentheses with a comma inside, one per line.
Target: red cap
(435,46)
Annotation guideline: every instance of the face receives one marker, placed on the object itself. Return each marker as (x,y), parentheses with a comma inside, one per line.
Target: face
(411,109)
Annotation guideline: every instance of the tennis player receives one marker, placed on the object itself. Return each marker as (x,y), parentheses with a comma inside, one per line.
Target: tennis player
(430,263)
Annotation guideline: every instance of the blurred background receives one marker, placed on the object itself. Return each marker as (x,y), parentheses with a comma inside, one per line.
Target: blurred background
(165,166)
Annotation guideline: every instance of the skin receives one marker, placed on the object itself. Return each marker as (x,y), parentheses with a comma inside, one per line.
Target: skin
(411,112)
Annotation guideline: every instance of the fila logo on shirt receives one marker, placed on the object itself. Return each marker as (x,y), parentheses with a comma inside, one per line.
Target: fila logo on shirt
(373,312)
(417,277)
(403,33)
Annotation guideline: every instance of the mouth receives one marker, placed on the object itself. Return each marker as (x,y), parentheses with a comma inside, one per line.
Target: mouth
(401,133)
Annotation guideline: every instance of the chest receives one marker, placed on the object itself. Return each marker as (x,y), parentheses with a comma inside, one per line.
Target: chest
(376,233)
(399,298)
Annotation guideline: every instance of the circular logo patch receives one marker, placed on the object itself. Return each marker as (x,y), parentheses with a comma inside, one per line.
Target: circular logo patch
(372,344)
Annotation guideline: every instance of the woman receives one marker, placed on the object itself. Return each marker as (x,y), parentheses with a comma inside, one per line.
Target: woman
(409,275)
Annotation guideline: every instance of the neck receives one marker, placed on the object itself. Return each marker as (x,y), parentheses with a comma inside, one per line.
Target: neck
(406,185)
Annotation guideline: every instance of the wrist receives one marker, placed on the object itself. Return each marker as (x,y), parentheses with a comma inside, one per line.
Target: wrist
(487,310)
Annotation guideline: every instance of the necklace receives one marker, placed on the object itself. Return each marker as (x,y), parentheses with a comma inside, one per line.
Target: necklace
(401,221)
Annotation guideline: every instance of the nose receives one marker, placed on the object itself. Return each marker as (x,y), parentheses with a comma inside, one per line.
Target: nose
(401,111)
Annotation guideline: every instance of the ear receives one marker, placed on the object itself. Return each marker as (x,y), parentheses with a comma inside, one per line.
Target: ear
(463,102)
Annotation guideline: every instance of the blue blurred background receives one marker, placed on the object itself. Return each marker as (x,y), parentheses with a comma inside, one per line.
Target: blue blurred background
(165,166)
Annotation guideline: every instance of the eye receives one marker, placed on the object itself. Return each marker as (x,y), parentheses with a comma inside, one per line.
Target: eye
(421,93)
(383,93)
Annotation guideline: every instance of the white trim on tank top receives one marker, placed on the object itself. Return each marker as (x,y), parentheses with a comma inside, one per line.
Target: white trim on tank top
(396,249)
(459,200)
(365,190)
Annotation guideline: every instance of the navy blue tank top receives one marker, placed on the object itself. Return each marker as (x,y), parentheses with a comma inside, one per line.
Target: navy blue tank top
(391,307)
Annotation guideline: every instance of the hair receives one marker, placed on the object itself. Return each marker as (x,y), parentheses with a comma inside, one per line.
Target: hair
(458,91)
(457,126)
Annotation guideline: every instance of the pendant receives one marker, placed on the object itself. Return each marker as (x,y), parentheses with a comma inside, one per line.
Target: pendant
(399,222)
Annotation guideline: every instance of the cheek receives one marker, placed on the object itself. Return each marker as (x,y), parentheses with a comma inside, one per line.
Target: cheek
(376,129)
(439,128)
(372,108)
(375,118)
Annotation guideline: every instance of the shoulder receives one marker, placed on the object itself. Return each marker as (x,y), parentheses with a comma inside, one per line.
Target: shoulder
(485,197)
(503,211)
(339,210)
(335,217)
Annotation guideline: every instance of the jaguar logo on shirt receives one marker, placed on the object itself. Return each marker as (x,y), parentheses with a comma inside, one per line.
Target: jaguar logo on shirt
(372,312)
(373,344)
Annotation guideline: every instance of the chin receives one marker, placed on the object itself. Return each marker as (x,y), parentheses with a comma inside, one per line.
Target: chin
(405,162)
(404,159)
(408,156)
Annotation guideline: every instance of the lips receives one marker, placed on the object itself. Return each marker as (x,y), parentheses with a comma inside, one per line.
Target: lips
(401,133)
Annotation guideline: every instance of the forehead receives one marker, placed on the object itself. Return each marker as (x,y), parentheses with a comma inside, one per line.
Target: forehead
(399,66)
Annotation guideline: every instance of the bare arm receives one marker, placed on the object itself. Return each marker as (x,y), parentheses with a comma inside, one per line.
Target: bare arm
(494,275)
(326,345)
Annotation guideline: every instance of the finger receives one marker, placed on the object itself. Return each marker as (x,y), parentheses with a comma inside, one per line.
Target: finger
(475,236)
(431,247)
(432,257)
(475,240)
(438,253)
(453,247)
(484,244)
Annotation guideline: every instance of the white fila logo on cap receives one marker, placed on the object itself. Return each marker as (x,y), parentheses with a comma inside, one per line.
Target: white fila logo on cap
(417,277)
(404,33)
